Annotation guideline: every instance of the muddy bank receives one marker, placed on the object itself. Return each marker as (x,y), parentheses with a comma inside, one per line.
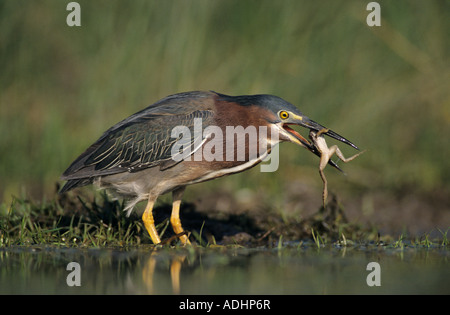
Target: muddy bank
(245,217)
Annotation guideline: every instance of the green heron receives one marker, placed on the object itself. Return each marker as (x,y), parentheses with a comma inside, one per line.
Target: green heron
(137,159)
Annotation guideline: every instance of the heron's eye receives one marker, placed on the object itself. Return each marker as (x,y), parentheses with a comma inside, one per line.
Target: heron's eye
(284,115)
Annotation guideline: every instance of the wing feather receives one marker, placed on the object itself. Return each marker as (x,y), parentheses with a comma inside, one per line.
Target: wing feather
(136,146)
(142,140)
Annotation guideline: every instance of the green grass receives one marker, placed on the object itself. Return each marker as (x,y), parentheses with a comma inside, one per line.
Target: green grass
(72,221)
(317,239)
(98,224)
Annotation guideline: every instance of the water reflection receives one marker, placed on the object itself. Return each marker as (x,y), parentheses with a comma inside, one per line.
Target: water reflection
(223,271)
(148,272)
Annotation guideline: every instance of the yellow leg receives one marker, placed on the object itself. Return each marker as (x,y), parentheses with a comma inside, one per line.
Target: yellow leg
(175,216)
(149,223)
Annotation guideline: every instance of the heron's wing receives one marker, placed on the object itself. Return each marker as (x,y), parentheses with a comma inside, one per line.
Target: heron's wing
(143,142)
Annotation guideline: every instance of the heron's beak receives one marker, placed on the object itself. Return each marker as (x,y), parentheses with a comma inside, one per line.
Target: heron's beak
(312,125)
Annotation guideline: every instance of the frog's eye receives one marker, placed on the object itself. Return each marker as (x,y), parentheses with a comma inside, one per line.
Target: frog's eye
(283,114)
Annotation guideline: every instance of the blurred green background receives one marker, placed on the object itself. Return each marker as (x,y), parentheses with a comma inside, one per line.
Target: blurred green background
(384,88)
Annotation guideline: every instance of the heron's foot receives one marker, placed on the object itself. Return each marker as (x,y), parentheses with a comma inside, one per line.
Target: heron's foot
(178,229)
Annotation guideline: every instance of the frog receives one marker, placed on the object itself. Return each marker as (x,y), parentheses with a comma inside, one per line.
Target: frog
(319,142)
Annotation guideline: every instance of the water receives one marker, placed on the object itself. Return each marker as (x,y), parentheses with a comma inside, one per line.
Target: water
(290,270)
